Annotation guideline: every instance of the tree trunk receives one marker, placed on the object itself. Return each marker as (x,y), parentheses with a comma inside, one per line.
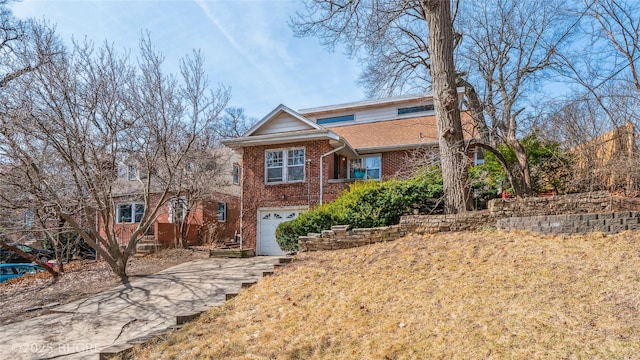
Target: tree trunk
(56,245)
(445,98)
(120,268)
(523,179)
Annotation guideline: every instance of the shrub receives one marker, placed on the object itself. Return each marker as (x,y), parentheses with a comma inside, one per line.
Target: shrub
(367,204)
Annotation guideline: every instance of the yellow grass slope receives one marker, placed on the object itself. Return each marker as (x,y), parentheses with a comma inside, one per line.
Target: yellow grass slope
(458,295)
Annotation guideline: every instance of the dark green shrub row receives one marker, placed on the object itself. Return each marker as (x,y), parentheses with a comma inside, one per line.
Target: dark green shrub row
(367,204)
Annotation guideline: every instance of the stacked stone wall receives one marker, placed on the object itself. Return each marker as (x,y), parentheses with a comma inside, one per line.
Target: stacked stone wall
(341,237)
(608,223)
(564,214)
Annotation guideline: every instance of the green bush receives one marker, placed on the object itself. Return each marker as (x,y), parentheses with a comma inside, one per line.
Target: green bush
(367,204)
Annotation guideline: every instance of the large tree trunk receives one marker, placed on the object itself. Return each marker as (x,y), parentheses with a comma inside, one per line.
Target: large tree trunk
(445,98)
(522,185)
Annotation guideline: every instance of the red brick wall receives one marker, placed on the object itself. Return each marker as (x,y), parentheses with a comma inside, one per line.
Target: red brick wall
(202,215)
(221,231)
(392,162)
(257,194)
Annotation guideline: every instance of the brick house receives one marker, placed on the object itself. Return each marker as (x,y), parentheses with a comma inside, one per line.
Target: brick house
(214,218)
(293,160)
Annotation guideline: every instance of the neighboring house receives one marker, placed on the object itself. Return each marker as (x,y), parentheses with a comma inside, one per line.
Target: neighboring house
(212,218)
(293,160)
(609,161)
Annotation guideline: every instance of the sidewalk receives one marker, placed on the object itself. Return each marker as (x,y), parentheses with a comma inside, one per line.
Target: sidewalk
(79,330)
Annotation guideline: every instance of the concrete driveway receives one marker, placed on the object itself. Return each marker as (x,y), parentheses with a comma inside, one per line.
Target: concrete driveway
(81,329)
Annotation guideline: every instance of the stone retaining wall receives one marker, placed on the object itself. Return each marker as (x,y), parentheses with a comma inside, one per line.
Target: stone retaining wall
(429,224)
(341,237)
(594,202)
(563,214)
(609,223)
(582,203)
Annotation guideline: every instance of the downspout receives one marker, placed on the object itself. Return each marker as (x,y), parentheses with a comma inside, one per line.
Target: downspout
(241,183)
(322,167)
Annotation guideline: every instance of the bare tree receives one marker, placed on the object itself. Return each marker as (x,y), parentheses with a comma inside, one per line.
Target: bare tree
(396,41)
(615,26)
(25,45)
(206,173)
(504,47)
(233,123)
(70,126)
(605,151)
(507,48)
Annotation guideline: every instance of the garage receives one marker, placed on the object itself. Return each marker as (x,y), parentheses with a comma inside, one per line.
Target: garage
(268,220)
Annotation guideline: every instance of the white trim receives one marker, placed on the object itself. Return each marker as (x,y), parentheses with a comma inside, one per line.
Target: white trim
(133,212)
(285,166)
(279,138)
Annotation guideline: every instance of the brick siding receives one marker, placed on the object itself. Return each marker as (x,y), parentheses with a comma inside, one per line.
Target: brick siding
(257,194)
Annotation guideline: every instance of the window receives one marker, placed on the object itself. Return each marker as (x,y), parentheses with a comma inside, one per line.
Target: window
(335,119)
(414,109)
(28,216)
(236,174)
(222,211)
(285,166)
(177,210)
(132,172)
(365,168)
(478,157)
(129,213)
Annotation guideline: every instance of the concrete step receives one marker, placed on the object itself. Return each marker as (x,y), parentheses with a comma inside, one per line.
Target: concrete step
(148,245)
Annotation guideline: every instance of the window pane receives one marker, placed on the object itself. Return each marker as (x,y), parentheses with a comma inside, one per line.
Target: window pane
(124,213)
(356,170)
(132,172)
(373,174)
(295,173)
(139,212)
(274,175)
(274,159)
(236,174)
(296,157)
(222,211)
(373,162)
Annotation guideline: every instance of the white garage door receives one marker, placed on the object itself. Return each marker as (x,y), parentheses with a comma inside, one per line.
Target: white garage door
(268,220)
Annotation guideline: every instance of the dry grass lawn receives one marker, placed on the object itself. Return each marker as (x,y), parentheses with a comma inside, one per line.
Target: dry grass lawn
(458,295)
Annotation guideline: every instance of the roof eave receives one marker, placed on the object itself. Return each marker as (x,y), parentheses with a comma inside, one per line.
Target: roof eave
(388,148)
(280,138)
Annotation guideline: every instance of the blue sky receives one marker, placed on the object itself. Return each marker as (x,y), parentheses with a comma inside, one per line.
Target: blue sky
(247,44)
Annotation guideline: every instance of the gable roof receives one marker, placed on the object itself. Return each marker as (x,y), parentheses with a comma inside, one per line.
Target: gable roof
(275,116)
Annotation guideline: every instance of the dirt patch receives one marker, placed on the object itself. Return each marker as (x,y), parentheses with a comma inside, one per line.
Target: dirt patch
(29,296)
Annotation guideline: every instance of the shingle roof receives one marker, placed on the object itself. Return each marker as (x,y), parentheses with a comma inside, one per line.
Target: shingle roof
(413,131)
